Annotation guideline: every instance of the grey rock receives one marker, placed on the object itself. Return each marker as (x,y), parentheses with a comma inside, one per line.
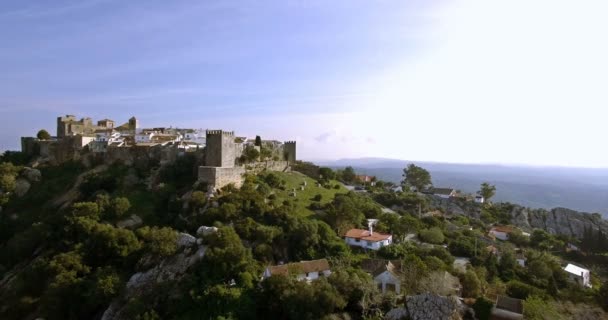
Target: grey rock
(171,268)
(397,314)
(133,221)
(22,186)
(33,175)
(185,240)
(204,231)
(428,306)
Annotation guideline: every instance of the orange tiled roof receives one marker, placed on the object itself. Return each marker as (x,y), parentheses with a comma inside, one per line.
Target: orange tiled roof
(365,235)
(505,229)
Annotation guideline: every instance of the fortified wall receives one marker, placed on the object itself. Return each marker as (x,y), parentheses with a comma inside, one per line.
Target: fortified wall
(221,157)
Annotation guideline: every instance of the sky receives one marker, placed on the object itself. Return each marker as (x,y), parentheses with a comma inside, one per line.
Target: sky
(510,82)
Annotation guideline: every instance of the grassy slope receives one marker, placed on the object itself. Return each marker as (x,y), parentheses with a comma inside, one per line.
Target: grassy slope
(304,198)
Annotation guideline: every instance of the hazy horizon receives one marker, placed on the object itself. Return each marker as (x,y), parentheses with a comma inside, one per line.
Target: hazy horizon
(518,82)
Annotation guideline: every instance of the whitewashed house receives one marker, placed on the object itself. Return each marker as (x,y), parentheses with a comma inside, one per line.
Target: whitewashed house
(480,199)
(521,260)
(367,239)
(386,273)
(579,275)
(501,232)
(303,270)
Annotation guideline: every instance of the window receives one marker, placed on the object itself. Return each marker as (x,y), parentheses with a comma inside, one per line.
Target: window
(357,240)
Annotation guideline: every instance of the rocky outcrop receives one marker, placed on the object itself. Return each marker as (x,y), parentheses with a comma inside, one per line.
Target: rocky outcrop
(185,240)
(32,175)
(428,306)
(397,314)
(204,231)
(22,186)
(169,269)
(556,221)
(132,222)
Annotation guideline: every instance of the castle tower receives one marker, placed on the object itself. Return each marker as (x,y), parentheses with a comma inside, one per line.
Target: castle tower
(220,150)
(289,150)
(133,124)
(63,125)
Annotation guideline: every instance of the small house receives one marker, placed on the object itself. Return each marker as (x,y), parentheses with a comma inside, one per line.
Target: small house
(386,273)
(303,270)
(501,232)
(579,275)
(367,239)
(479,199)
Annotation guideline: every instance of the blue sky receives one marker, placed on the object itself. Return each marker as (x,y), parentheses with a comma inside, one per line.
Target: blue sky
(457,81)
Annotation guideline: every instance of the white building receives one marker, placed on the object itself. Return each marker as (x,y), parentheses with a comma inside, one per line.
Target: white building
(479,199)
(303,270)
(144,137)
(367,238)
(579,275)
(501,232)
(386,273)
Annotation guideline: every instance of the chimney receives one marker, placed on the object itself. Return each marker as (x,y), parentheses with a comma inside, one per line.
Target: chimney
(371,228)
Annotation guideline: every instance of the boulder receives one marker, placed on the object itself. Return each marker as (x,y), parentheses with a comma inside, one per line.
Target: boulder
(133,221)
(33,175)
(185,240)
(397,314)
(22,186)
(428,306)
(204,231)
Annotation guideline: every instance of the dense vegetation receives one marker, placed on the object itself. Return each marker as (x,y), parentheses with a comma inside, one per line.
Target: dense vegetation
(64,256)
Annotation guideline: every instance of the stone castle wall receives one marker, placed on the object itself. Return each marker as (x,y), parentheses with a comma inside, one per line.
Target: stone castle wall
(289,148)
(218,177)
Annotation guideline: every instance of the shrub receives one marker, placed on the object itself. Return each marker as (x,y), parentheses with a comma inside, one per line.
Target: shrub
(317,197)
(483,308)
(432,235)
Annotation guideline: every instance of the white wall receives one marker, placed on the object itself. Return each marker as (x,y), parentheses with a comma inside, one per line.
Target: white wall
(387,278)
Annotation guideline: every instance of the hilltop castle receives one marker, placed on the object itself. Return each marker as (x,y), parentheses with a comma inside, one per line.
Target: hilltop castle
(221,153)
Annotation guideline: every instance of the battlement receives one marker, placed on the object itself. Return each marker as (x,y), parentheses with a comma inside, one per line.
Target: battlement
(220,132)
(289,142)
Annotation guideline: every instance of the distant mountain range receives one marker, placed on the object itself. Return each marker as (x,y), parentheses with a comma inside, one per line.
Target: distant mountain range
(583,189)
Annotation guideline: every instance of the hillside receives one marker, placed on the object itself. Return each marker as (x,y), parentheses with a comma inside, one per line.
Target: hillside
(536,187)
(145,241)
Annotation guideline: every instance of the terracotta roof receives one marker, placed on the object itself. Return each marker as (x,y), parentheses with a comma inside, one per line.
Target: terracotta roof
(364,178)
(300,267)
(365,235)
(505,229)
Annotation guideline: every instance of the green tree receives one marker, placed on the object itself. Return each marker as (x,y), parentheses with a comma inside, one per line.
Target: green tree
(487,190)
(537,308)
(88,210)
(327,173)
(198,199)
(158,241)
(108,242)
(265,153)
(433,235)
(250,155)
(120,206)
(471,286)
(43,135)
(348,175)
(417,177)
(483,308)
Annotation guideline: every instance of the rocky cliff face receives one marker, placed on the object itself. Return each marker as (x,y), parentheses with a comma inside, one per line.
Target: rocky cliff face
(555,221)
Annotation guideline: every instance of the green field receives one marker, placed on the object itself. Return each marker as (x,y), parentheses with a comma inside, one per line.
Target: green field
(304,197)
